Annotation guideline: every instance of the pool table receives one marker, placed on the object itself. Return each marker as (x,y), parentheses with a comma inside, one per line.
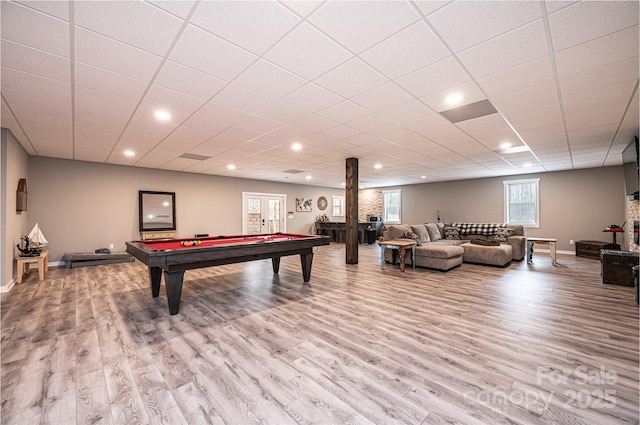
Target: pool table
(174,256)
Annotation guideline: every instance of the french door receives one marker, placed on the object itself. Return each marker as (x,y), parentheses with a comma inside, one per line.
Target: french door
(263,213)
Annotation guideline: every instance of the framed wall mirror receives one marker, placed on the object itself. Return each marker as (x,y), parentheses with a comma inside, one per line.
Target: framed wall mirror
(157,210)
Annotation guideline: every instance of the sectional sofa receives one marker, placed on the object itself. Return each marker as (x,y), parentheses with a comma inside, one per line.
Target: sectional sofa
(445,246)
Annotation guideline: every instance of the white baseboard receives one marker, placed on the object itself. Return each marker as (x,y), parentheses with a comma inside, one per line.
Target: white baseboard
(8,286)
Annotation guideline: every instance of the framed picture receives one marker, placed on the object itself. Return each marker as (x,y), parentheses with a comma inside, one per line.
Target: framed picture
(304,204)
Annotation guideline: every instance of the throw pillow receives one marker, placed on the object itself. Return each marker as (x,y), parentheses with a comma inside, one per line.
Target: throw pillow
(502,234)
(452,233)
(421,231)
(434,232)
(411,235)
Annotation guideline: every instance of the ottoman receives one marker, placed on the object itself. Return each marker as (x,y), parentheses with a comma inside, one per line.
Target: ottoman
(483,254)
(439,256)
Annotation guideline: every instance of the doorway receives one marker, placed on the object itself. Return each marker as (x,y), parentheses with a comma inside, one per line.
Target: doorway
(263,213)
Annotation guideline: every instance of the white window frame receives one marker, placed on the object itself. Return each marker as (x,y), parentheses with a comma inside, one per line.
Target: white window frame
(509,183)
(385,219)
(333,206)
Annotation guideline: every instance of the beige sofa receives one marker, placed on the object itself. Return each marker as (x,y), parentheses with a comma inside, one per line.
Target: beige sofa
(439,247)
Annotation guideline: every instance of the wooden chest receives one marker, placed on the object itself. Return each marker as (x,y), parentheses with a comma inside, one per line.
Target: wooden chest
(617,266)
(591,249)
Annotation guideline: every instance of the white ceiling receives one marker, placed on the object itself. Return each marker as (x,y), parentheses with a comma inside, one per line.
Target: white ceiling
(244,80)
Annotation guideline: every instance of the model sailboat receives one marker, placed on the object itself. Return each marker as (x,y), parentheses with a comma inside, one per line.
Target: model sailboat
(33,243)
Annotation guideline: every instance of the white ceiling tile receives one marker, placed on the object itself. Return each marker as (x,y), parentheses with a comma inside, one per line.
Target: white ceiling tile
(282,112)
(83,112)
(465,24)
(210,54)
(610,97)
(555,5)
(441,75)
(103,101)
(407,51)
(45,32)
(312,98)
(33,61)
(470,93)
(252,25)
(180,8)
(108,82)
(269,80)
(58,9)
(31,83)
(521,76)
(607,75)
(351,78)
(26,100)
(307,52)
(241,99)
(344,112)
(220,113)
(382,97)
(567,28)
(302,7)
(315,123)
(406,112)
(599,52)
(359,25)
(521,45)
(132,22)
(189,81)
(341,131)
(162,98)
(428,7)
(99,51)
(209,126)
(370,123)
(260,124)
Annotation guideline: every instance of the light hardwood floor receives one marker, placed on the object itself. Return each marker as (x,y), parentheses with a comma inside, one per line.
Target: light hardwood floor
(527,344)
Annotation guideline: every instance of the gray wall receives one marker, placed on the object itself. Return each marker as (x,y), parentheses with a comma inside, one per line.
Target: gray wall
(14,166)
(81,206)
(574,204)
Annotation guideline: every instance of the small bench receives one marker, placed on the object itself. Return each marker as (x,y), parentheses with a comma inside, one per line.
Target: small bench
(82,259)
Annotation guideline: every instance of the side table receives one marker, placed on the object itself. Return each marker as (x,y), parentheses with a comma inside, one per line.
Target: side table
(544,241)
(23,263)
(401,246)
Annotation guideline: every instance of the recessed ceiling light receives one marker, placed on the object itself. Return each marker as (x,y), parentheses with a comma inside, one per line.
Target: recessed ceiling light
(308,177)
(296,147)
(423,177)
(527,165)
(129,153)
(231,167)
(505,145)
(454,99)
(162,115)
(377,166)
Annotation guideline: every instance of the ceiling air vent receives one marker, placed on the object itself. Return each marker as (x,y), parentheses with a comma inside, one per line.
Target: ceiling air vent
(292,171)
(470,111)
(194,156)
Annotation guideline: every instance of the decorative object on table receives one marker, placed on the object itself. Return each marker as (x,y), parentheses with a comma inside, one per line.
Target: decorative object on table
(438,216)
(304,204)
(32,244)
(21,195)
(322,217)
(322,203)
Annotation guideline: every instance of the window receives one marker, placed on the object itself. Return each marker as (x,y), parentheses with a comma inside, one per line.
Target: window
(338,206)
(521,202)
(391,206)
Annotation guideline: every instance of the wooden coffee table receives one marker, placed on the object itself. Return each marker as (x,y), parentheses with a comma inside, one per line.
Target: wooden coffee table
(401,246)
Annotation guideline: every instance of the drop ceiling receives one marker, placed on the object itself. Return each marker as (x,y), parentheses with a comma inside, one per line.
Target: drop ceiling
(243,81)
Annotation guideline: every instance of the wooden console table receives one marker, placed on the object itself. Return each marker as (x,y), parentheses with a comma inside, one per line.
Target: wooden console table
(401,246)
(23,265)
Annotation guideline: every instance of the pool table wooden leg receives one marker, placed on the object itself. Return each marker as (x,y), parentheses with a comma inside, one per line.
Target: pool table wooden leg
(306,260)
(155,275)
(275,261)
(173,282)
